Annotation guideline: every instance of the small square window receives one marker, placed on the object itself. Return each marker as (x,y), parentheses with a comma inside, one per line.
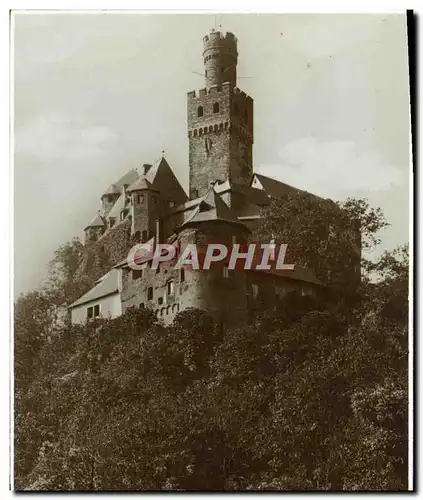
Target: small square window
(136,274)
(171,203)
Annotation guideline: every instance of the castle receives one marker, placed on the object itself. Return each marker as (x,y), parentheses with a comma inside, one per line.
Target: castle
(224,205)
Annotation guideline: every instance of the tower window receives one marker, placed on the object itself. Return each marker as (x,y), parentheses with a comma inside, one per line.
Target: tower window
(153,199)
(200,111)
(216,107)
(136,274)
(170,287)
(140,198)
(150,293)
(171,204)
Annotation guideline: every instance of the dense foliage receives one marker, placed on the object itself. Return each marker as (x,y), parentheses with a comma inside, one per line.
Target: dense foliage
(311,395)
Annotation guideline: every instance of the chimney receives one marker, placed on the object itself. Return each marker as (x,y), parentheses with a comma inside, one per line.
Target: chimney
(146,167)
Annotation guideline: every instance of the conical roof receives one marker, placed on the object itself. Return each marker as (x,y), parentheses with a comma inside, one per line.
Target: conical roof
(112,189)
(97,221)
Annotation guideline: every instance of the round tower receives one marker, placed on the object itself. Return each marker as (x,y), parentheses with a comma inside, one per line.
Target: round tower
(220,58)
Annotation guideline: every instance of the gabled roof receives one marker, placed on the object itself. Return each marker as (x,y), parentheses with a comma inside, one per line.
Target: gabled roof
(107,285)
(252,195)
(212,208)
(97,221)
(277,189)
(141,184)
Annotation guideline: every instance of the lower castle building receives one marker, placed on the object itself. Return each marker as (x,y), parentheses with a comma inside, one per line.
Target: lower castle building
(225,201)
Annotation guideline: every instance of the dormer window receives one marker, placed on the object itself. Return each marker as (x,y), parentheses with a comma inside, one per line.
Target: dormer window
(200,111)
(216,107)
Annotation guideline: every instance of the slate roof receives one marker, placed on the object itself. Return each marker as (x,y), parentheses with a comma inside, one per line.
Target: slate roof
(97,221)
(277,189)
(127,179)
(107,285)
(139,185)
(212,208)
(253,195)
(112,189)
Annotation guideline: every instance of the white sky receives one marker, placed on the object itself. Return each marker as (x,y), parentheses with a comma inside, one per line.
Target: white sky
(98,94)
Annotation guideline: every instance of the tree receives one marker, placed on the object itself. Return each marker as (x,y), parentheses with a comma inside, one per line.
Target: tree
(323,235)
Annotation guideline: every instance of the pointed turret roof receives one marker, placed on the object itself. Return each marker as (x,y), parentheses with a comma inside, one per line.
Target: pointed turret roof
(112,189)
(97,221)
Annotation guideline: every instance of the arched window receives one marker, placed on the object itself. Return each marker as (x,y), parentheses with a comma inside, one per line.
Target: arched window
(144,236)
(200,132)
(200,111)
(167,309)
(137,237)
(216,107)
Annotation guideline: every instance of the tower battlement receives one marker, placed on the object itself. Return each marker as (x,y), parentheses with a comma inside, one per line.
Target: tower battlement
(225,88)
(219,39)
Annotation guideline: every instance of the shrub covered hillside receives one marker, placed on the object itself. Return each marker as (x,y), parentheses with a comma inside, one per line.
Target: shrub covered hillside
(312,395)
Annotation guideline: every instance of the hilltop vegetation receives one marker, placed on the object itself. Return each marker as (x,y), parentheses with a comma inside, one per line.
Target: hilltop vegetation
(312,395)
